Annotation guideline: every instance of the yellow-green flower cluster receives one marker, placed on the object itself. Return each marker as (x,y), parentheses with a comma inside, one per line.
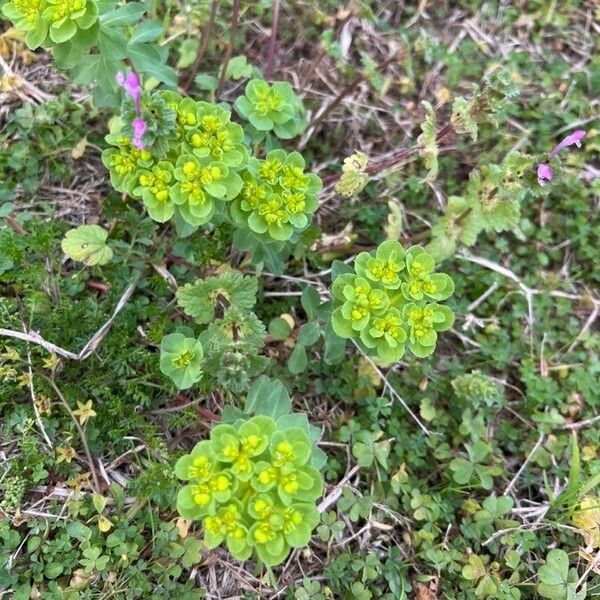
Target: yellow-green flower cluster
(189,164)
(271,108)
(390,301)
(181,359)
(51,22)
(278,197)
(195,164)
(253,487)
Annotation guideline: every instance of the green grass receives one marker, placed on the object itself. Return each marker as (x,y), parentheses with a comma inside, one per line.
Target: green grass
(509,469)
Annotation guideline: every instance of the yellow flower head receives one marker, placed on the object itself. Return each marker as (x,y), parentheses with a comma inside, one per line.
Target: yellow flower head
(84,411)
(65,454)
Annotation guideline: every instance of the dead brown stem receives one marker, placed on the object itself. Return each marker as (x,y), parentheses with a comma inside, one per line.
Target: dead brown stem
(235,19)
(272,41)
(348,89)
(205,38)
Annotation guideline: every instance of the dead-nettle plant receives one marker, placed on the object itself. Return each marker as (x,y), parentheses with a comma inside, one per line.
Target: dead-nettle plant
(486,105)
(493,197)
(225,354)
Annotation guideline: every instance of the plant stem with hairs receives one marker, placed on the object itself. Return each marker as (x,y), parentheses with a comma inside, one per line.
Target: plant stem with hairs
(393,160)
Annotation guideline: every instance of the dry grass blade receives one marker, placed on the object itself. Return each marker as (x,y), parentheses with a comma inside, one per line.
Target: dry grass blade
(35,338)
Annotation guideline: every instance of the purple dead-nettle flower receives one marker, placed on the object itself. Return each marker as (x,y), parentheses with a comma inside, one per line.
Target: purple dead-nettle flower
(139,128)
(133,87)
(571,140)
(544,172)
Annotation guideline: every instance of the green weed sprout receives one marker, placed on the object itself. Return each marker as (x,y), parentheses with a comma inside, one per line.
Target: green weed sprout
(271,108)
(390,301)
(181,359)
(254,483)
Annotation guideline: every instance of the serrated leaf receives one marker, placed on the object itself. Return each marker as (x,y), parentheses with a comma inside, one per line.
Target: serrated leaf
(94,68)
(87,244)
(232,289)
(148,31)
(99,502)
(351,183)
(441,246)
(147,59)
(188,50)
(498,215)
(112,43)
(461,119)
(238,67)
(393,227)
(354,177)
(206,82)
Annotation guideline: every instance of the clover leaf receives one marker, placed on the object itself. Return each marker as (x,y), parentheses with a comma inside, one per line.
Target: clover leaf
(556,581)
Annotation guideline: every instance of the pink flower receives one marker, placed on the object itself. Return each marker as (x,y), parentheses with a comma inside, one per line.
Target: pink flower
(571,140)
(544,172)
(139,128)
(132,86)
